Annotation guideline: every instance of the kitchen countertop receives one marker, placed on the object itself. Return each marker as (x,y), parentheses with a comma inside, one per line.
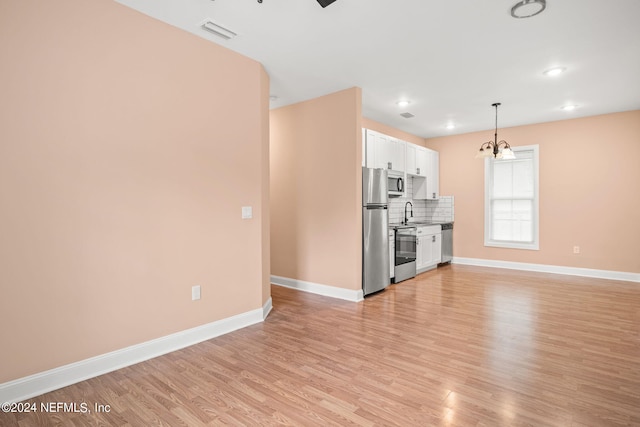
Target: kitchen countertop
(418,224)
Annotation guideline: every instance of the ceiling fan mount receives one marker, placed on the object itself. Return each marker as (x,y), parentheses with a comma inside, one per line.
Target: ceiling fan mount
(323,3)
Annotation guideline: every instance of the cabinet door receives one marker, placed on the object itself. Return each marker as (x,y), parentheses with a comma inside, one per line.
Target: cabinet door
(433,175)
(422,161)
(371,148)
(383,151)
(417,162)
(398,154)
(436,246)
(410,162)
(383,154)
(424,249)
(419,251)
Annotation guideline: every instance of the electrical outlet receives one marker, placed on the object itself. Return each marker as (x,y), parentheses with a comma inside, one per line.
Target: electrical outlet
(576,249)
(195,293)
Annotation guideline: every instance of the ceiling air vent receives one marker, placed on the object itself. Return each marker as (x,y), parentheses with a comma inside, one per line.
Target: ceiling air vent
(407,115)
(218,30)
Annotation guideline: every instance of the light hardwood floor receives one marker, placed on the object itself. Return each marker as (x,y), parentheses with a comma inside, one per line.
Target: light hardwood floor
(457,346)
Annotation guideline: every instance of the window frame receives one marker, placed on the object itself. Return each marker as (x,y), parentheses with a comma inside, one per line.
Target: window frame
(488,181)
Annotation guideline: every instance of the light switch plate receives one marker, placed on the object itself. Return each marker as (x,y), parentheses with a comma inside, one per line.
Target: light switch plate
(247,212)
(195,293)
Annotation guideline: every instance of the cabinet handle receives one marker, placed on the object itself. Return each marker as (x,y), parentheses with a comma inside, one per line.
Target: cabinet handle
(389,165)
(433,238)
(434,195)
(418,171)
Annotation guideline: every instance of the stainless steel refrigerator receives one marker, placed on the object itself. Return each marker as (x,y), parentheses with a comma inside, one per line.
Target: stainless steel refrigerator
(375,234)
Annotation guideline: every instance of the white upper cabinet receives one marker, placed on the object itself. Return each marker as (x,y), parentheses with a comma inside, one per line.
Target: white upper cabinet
(426,185)
(398,154)
(383,151)
(369,141)
(411,159)
(422,161)
(433,175)
(383,157)
(417,162)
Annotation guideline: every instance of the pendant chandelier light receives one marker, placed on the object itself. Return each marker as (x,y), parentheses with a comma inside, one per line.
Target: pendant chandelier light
(492,148)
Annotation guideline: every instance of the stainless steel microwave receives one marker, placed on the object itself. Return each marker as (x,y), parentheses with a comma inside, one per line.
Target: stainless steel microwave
(395,185)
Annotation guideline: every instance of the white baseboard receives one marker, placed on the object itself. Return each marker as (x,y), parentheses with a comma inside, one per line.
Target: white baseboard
(43,382)
(266,308)
(556,269)
(316,288)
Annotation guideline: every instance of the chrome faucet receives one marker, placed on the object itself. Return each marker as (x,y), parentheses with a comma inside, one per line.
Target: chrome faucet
(406,220)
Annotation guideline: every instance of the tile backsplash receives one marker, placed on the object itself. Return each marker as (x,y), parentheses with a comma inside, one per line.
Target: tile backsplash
(441,210)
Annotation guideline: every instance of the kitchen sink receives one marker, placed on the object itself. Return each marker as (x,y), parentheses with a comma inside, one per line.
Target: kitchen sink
(401,225)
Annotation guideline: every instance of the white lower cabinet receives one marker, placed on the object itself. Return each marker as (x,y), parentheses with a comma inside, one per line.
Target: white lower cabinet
(428,247)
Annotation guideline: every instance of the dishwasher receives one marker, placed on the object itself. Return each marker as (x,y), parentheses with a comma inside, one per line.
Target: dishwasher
(447,242)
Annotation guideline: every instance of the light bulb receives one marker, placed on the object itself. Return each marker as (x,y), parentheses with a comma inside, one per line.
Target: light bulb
(555,71)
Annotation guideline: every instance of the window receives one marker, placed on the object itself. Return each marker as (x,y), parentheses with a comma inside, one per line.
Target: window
(511,200)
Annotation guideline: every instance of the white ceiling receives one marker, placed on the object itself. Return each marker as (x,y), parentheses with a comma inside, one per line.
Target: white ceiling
(451,58)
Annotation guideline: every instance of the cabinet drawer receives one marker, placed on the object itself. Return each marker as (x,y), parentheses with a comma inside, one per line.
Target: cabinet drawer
(429,229)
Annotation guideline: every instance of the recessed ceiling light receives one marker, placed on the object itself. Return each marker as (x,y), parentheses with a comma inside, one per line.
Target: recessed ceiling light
(402,103)
(555,71)
(450,126)
(570,107)
(528,8)
(273,97)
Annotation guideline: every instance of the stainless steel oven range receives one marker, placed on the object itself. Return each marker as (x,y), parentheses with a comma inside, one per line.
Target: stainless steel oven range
(405,252)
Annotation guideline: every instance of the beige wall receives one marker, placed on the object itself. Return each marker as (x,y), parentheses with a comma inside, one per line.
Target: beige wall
(265,190)
(127,149)
(391,131)
(316,193)
(589,187)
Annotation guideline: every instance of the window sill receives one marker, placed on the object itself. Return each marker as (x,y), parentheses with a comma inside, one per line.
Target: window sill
(513,245)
